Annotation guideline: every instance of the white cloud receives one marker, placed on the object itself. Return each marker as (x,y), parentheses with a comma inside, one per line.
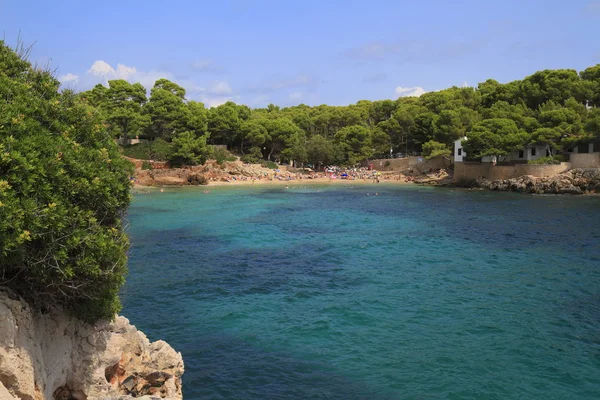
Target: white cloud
(220,88)
(103,70)
(212,95)
(465,84)
(214,101)
(69,78)
(416,91)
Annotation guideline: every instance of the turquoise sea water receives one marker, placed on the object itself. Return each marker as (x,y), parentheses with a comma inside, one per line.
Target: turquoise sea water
(417,293)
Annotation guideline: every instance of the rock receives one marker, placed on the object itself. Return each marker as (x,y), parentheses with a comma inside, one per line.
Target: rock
(55,356)
(575,181)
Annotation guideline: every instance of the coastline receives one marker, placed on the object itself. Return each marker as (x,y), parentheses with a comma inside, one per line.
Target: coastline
(276,182)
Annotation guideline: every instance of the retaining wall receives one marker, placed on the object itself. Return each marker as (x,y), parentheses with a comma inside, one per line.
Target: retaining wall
(423,165)
(585,160)
(391,164)
(466,171)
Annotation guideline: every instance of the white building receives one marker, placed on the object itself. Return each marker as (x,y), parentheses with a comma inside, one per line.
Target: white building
(529,152)
(458,150)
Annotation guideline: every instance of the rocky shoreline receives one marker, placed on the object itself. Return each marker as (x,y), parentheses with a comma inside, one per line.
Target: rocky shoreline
(56,357)
(576,181)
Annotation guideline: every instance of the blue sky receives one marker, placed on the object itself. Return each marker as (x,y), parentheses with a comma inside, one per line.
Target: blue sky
(313,52)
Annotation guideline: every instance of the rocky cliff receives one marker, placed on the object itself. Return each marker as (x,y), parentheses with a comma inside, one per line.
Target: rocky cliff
(54,356)
(575,181)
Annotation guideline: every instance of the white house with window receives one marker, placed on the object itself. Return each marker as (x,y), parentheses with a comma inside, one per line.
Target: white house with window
(458,150)
(527,153)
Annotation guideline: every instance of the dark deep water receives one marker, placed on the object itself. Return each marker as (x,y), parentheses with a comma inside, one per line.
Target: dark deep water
(418,293)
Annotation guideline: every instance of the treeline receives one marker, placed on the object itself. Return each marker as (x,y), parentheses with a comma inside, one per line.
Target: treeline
(558,108)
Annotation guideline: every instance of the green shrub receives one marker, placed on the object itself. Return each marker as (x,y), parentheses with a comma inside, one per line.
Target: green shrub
(545,160)
(433,149)
(189,149)
(269,164)
(222,155)
(158,149)
(253,157)
(561,157)
(146,165)
(64,189)
(387,164)
(140,151)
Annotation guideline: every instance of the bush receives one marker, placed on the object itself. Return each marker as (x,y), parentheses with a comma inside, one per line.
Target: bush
(433,149)
(387,164)
(222,155)
(545,160)
(64,189)
(158,149)
(146,165)
(253,157)
(269,164)
(188,149)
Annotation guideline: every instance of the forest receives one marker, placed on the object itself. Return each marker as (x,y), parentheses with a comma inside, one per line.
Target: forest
(556,108)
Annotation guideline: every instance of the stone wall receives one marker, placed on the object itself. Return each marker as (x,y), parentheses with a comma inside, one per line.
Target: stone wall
(585,160)
(466,171)
(420,164)
(392,164)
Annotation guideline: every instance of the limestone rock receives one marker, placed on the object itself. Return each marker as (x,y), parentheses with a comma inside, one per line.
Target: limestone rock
(55,356)
(575,181)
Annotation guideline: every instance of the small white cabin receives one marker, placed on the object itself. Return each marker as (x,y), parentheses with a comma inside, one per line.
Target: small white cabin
(458,150)
(529,152)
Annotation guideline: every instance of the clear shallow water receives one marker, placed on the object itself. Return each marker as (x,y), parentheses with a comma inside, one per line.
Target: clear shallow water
(418,293)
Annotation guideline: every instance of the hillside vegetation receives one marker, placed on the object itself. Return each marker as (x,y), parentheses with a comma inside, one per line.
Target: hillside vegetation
(63,190)
(557,108)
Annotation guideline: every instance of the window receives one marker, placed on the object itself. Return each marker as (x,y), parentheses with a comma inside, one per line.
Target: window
(521,154)
(533,151)
(459,152)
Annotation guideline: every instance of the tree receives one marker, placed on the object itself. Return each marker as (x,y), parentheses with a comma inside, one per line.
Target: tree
(591,84)
(319,150)
(355,142)
(254,132)
(123,108)
(224,122)
(494,137)
(282,134)
(167,110)
(64,189)
(198,118)
(189,149)
(433,149)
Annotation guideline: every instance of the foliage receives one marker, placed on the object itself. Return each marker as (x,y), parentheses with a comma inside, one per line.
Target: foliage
(254,156)
(158,149)
(64,188)
(146,165)
(222,155)
(558,108)
(433,149)
(545,160)
(269,164)
(355,142)
(319,150)
(189,149)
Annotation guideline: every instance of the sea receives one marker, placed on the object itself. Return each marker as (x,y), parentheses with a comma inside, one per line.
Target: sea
(369,291)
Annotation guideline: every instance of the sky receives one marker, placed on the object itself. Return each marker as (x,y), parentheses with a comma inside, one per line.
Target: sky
(289,52)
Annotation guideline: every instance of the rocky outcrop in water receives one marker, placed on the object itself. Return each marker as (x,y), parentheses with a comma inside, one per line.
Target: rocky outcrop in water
(575,181)
(54,356)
